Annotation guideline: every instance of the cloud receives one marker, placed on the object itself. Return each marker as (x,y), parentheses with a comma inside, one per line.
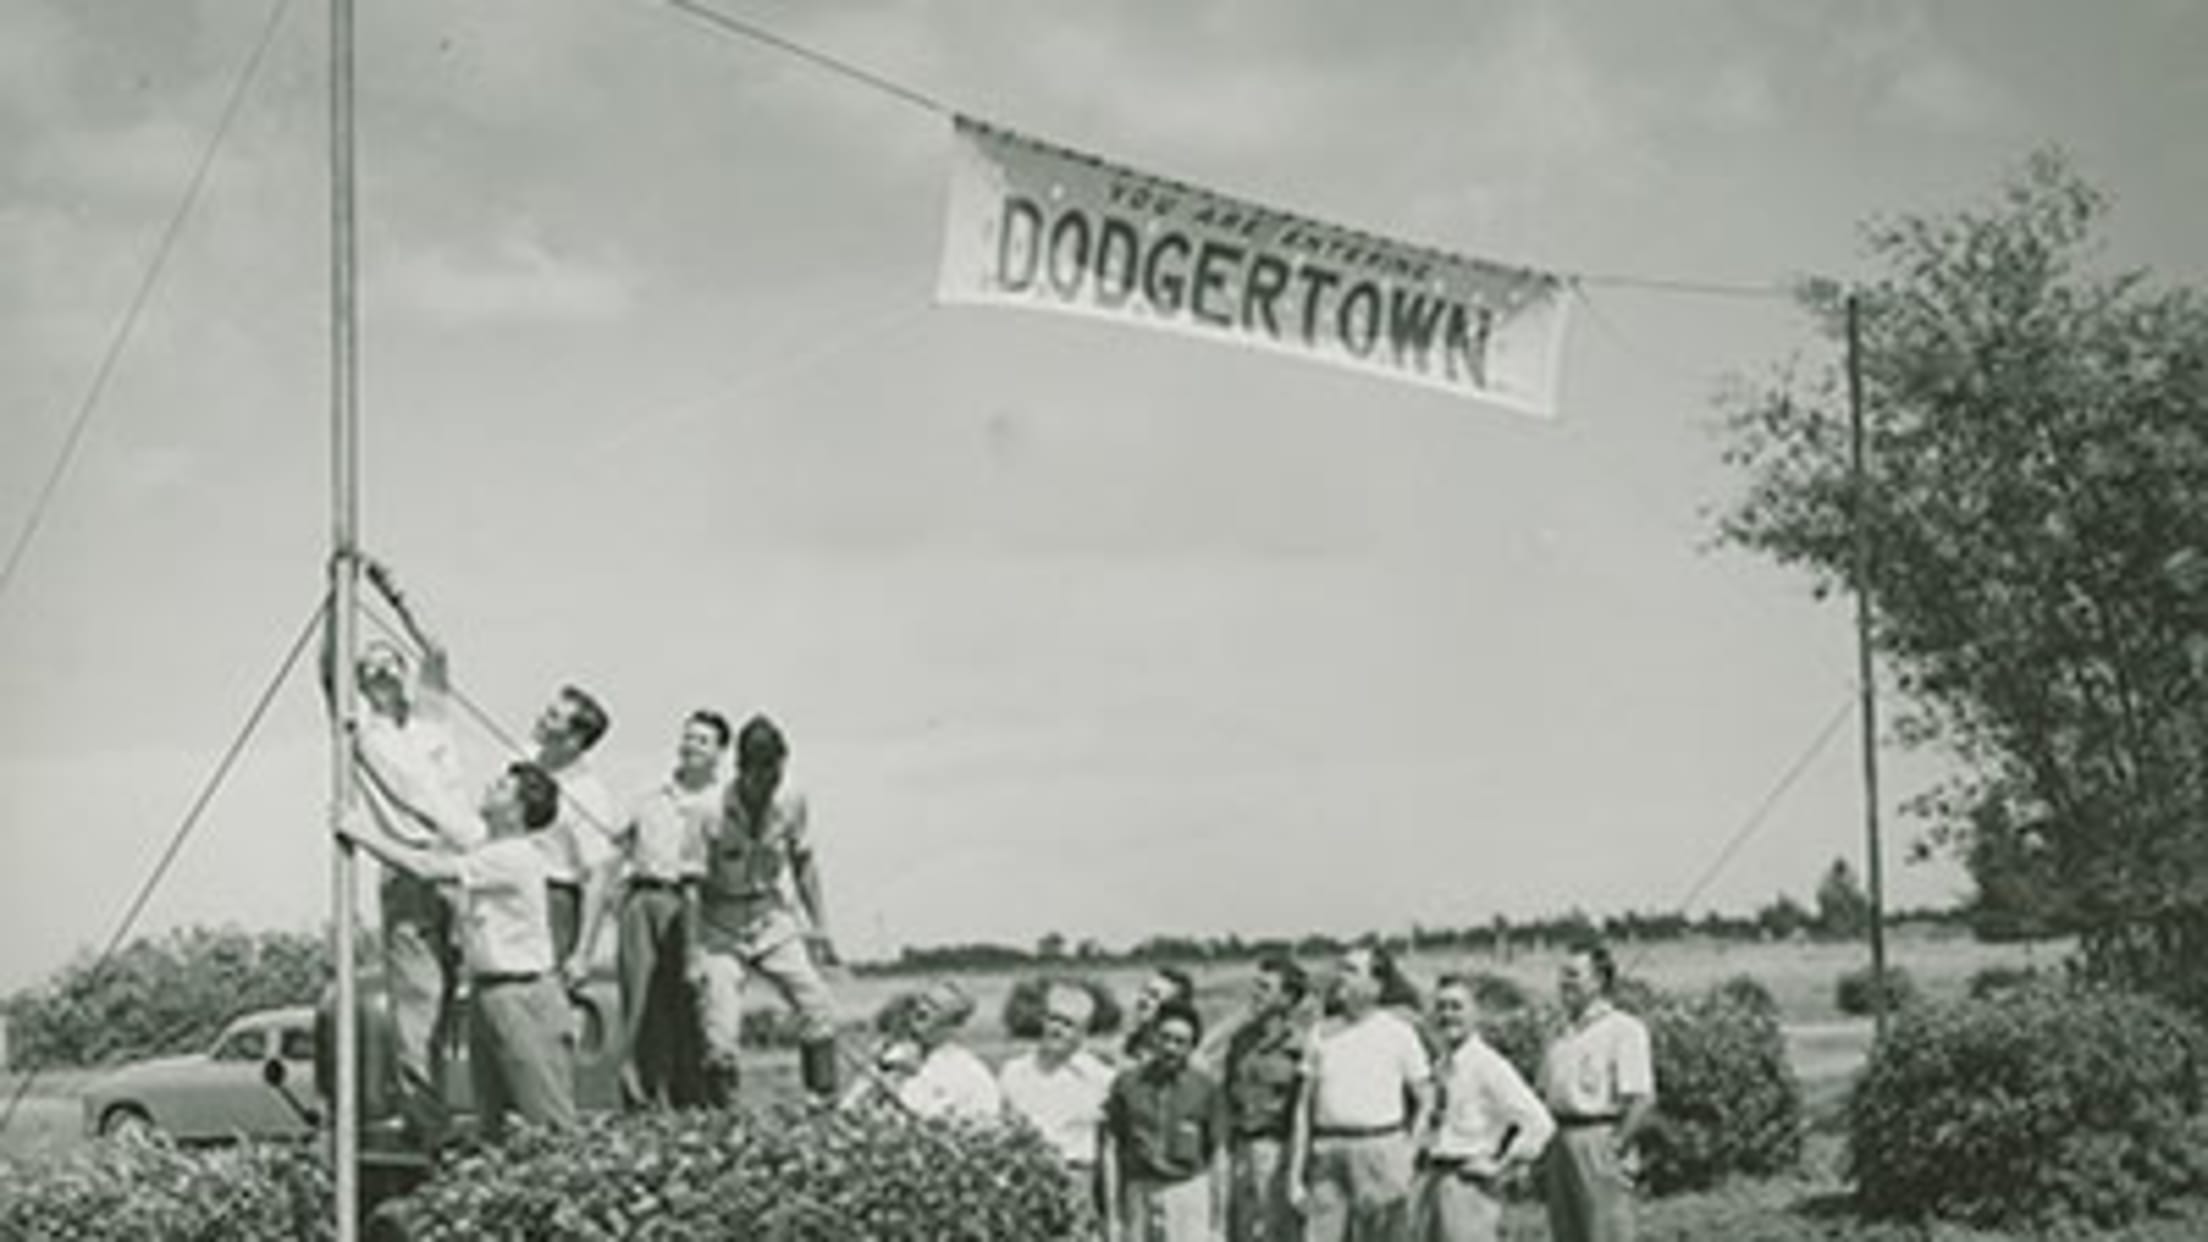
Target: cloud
(1941,93)
(517,280)
(1740,98)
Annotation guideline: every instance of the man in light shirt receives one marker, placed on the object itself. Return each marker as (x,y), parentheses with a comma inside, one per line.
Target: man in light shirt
(1487,1124)
(741,920)
(411,764)
(1059,1087)
(579,844)
(950,1080)
(1599,1082)
(662,850)
(517,1050)
(1369,1088)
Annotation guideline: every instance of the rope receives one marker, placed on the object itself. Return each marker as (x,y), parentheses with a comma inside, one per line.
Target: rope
(836,65)
(160,261)
(1757,818)
(191,821)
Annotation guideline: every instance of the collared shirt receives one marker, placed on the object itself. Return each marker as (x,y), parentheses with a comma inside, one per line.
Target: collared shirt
(1605,1057)
(743,901)
(1482,1100)
(1264,1074)
(505,926)
(580,840)
(1361,1071)
(665,836)
(1065,1102)
(951,1082)
(1165,1129)
(420,762)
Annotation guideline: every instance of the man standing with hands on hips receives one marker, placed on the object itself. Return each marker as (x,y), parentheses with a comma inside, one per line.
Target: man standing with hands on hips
(1487,1122)
(1599,1081)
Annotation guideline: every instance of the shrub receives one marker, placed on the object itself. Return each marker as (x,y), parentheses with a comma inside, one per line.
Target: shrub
(1023,1005)
(148,1188)
(1727,1101)
(1856,994)
(2037,1106)
(1498,994)
(789,1173)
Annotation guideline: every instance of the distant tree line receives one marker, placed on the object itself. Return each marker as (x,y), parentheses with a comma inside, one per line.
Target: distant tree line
(1842,911)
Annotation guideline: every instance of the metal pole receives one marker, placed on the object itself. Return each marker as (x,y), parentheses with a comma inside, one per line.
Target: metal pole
(344,594)
(1875,880)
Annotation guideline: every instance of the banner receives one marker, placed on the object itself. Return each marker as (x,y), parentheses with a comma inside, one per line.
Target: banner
(1041,227)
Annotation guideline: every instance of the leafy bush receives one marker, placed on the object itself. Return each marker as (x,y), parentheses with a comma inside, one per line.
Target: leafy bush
(1023,1005)
(791,1173)
(1498,994)
(2038,1106)
(1727,1101)
(161,995)
(147,1188)
(1857,994)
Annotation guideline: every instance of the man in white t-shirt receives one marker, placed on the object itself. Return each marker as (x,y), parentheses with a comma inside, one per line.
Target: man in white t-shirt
(1368,1090)
(1059,1088)
(410,765)
(517,1049)
(1599,1082)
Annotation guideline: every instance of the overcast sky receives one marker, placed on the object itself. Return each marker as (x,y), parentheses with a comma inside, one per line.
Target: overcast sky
(1074,627)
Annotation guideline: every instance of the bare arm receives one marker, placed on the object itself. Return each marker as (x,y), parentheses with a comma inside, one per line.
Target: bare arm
(436,677)
(805,870)
(375,838)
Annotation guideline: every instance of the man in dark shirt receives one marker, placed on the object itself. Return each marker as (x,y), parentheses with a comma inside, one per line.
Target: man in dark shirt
(1263,1072)
(1164,1165)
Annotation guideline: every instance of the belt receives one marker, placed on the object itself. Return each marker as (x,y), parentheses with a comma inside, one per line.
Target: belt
(1581,1121)
(1339,1132)
(563,886)
(653,884)
(501,978)
(1456,1166)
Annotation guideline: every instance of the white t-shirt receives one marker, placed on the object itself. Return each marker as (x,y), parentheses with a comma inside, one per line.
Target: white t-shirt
(505,925)
(1066,1103)
(580,840)
(1360,1072)
(952,1082)
(1596,1063)
(420,762)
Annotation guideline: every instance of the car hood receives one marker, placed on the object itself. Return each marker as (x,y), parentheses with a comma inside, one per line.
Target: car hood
(152,1067)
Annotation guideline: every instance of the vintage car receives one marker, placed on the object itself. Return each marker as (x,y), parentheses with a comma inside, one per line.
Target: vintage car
(212,1096)
(262,1079)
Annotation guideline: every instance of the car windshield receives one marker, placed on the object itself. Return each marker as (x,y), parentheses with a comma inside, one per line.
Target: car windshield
(298,1044)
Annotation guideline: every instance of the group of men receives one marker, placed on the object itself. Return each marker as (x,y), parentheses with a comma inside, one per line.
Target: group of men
(1345,1125)
(1348,1124)
(710,879)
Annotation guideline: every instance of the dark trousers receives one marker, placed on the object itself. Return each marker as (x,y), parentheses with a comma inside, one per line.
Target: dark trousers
(659,1023)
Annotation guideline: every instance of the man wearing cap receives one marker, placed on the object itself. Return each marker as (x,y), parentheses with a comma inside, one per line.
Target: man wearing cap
(410,762)
(1059,1087)
(741,920)
(1487,1123)
(662,849)
(1599,1082)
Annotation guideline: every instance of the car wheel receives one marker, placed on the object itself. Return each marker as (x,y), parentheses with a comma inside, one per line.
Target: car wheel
(125,1121)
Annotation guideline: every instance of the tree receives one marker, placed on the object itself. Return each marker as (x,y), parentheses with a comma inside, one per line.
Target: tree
(1784,918)
(2038,433)
(1843,908)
